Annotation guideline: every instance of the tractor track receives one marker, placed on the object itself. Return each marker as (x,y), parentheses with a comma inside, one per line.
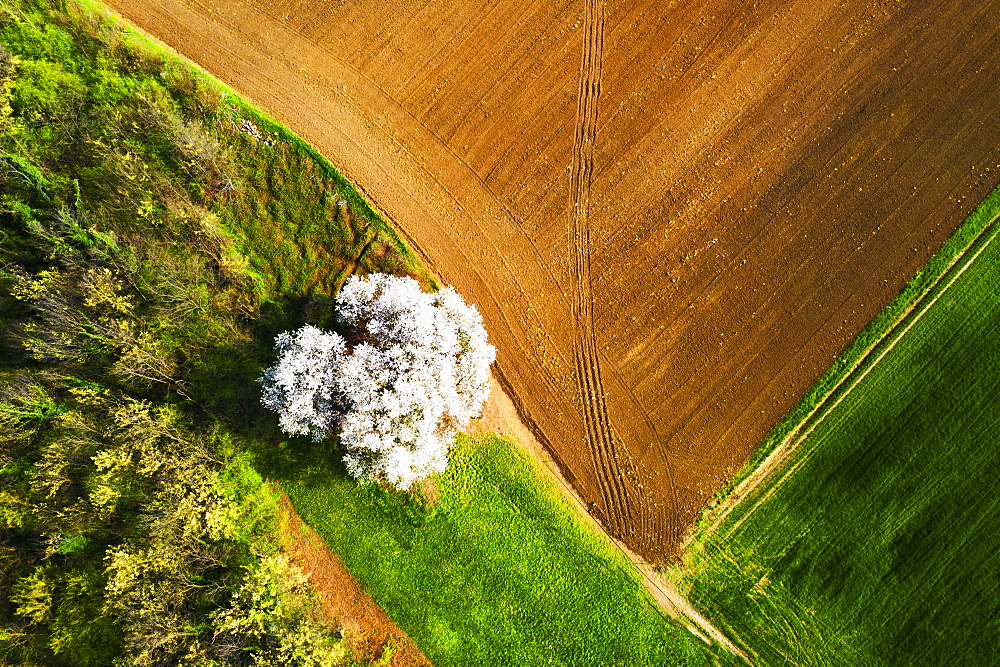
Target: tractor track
(590,384)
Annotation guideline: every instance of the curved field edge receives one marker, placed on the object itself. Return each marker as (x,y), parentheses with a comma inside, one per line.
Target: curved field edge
(491,566)
(853,358)
(269,131)
(869,540)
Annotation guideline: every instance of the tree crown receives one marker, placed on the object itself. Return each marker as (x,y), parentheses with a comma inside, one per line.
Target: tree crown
(410,368)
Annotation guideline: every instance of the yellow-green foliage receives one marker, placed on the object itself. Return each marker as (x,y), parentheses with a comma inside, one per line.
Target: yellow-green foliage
(131,531)
(142,527)
(33,596)
(276,600)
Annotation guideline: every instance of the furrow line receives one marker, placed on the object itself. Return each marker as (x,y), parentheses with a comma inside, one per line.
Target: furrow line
(590,383)
(605,464)
(600,435)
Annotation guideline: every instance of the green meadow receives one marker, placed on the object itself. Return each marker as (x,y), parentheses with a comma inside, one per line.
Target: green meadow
(496,570)
(876,543)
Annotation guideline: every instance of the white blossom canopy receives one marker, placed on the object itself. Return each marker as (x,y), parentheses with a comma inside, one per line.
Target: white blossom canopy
(411,368)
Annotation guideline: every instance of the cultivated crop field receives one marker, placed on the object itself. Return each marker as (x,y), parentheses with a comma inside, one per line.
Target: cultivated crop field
(874,542)
(673,217)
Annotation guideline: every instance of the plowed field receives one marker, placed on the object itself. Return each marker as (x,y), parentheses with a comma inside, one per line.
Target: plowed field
(672,215)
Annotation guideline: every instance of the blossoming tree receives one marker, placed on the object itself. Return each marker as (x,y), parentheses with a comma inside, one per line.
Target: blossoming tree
(409,370)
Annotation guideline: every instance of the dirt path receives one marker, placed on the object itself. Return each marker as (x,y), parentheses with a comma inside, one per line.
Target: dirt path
(368,629)
(789,446)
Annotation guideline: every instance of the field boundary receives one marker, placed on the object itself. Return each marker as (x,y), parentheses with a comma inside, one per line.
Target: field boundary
(913,309)
(360,201)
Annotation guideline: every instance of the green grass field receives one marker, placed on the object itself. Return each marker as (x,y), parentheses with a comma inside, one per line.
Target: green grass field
(880,548)
(500,571)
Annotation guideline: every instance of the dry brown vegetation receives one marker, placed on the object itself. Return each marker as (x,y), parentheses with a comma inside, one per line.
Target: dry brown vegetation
(672,215)
(368,630)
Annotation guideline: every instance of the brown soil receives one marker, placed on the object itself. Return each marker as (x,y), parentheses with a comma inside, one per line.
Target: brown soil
(673,215)
(368,630)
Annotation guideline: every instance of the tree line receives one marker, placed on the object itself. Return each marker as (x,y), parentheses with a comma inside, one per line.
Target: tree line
(134,529)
